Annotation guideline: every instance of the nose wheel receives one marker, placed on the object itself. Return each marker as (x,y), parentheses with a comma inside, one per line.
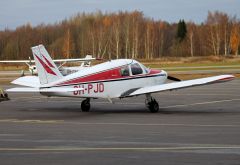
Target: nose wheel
(85,105)
(152,104)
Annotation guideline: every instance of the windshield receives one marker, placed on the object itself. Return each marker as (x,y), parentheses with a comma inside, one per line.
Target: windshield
(145,68)
(136,69)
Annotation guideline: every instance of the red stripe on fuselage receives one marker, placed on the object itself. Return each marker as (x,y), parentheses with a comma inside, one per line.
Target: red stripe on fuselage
(105,75)
(113,74)
(154,71)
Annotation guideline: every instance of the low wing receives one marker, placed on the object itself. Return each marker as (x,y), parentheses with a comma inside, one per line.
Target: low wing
(53,89)
(177,85)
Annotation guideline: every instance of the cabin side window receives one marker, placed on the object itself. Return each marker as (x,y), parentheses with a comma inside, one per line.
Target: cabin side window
(125,70)
(136,69)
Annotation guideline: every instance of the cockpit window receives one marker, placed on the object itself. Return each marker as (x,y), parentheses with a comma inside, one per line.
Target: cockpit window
(136,69)
(125,70)
(145,68)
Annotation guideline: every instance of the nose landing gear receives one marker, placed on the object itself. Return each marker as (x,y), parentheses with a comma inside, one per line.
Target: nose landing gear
(151,104)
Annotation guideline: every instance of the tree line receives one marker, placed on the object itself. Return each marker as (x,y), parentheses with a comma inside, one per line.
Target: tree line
(125,35)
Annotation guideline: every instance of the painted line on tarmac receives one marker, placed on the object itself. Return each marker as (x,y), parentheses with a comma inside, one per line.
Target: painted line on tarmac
(201,103)
(124,124)
(199,94)
(31,121)
(122,148)
(4,135)
(157,124)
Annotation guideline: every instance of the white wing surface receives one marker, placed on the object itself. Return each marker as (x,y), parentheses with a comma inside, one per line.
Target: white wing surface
(74,60)
(178,85)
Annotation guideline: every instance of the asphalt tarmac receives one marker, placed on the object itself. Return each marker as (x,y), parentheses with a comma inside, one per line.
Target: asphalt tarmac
(199,125)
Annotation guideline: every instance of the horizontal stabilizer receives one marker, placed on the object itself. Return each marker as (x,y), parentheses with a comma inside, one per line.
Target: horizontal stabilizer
(29,81)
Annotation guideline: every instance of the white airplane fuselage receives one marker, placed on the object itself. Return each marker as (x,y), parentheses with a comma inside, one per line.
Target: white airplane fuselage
(106,80)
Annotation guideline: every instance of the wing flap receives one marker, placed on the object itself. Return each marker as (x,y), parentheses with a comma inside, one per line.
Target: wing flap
(182,84)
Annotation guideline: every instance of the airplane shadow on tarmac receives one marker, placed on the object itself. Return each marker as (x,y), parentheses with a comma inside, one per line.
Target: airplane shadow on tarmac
(119,109)
(73,112)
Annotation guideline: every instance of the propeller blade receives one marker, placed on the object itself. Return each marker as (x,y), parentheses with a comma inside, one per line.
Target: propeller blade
(173,78)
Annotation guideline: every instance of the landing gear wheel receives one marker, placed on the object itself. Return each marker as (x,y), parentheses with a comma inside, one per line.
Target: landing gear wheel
(85,105)
(152,104)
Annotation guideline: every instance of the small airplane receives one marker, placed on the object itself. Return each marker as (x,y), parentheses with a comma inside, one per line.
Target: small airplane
(86,62)
(119,78)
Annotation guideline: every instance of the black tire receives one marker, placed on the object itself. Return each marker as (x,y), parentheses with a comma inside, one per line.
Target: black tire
(85,105)
(153,106)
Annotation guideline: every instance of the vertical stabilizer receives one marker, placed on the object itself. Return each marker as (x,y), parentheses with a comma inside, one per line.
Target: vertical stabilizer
(47,70)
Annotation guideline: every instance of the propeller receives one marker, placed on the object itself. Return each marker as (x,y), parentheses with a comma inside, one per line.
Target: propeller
(173,78)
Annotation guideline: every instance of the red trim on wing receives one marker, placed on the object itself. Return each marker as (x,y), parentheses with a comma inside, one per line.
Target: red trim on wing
(48,62)
(45,66)
(227,78)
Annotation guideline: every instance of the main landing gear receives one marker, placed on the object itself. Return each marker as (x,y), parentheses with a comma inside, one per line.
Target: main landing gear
(85,105)
(151,104)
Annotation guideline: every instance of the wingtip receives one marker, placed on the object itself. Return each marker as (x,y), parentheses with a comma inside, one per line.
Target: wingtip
(227,78)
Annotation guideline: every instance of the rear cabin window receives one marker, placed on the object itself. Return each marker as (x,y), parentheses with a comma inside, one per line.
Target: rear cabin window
(125,70)
(136,69)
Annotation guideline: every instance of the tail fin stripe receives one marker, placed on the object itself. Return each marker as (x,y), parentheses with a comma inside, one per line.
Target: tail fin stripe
(48,62)
(46,67)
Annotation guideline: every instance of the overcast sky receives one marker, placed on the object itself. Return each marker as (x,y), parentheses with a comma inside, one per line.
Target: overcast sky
(14,13)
